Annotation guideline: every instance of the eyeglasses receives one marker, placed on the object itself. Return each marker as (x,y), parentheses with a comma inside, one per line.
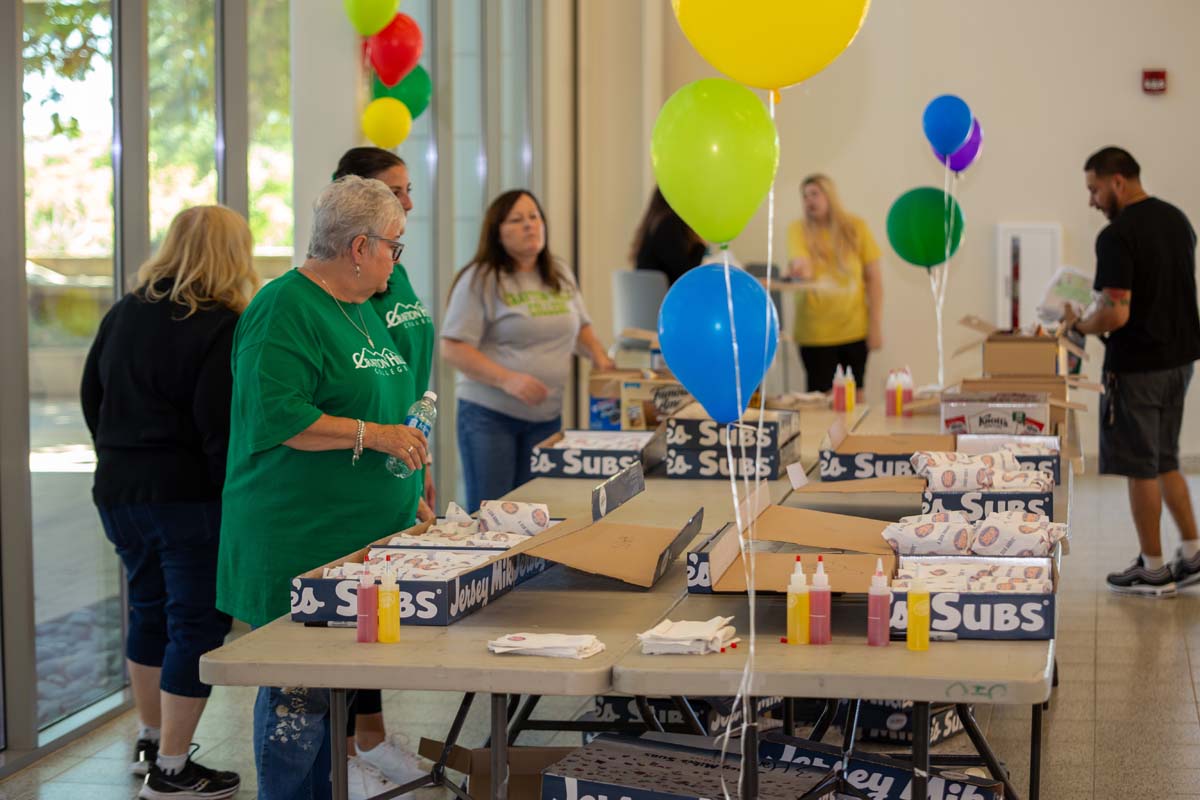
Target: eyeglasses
(397,247)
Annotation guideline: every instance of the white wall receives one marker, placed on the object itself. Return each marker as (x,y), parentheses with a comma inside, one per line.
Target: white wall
(1050,81)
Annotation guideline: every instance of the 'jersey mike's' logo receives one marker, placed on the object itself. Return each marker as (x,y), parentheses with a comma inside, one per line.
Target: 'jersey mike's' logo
(408,315)
(385,362)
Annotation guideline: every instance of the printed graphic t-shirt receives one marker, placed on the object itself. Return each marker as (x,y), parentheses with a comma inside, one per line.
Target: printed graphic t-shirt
(521,325)
(837,313)
(410,325)
(286,511)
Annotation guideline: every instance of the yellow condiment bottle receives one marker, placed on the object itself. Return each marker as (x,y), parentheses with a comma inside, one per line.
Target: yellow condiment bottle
(389,608)
(797,606)
(918,616)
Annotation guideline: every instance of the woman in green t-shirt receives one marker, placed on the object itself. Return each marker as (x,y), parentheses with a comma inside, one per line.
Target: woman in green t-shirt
(319,400)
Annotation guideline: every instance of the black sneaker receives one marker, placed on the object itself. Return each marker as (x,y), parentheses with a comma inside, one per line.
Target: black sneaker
(1186,571)
(193,782)
(145,753)
(1137,579)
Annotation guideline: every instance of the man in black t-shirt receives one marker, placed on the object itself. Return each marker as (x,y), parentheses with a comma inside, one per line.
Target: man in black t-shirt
(1146,314)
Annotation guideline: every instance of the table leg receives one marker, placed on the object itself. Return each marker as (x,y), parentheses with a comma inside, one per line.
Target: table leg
(523,713)
(499,746)
(689,715)
(749,785)
(985,750)
(920,784)
(789,716)
(1035,754)
(337,744)
(649,718)
(824,721)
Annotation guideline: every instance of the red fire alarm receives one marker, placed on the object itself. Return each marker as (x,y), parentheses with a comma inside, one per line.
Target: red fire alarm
(1154,81)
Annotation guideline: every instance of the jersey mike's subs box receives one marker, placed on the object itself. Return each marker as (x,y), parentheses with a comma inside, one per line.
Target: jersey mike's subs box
(996,413)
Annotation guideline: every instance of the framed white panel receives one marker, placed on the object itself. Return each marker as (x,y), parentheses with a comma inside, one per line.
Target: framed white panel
(1027,256)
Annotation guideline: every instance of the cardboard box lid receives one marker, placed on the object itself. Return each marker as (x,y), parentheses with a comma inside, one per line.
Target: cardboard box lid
(641,335)
(895,444)
(819,529)
(695,411)
(525,765)
(899,484)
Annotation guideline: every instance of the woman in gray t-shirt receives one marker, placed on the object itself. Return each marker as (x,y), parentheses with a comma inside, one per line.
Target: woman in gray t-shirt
(514,319)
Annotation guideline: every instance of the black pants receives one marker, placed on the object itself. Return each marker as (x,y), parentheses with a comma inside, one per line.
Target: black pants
(364,701)
(821,362)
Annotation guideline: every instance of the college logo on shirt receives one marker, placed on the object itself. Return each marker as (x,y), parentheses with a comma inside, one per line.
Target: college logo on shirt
(408,315)
(385,362)
(539,303)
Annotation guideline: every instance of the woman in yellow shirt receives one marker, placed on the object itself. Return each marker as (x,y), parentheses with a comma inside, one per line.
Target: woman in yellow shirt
(840,317)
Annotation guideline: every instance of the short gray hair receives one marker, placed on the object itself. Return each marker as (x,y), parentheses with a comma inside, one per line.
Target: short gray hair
(351,207)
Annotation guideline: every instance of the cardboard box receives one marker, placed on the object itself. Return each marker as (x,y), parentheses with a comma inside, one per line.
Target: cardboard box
(1055,389)
(663,768)
(771,465)
(879,776)
(714,713)
(978,504)
(885,499)
(556,462)
(1017,354)
(887,721)
(850,546)
(635,554)
(604,396)
(975,443)
(525,765)
(691,428)
(647,402)
(981,412)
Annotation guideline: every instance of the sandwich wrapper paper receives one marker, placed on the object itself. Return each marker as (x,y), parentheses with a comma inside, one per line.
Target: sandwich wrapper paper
(688,637)
(552,645)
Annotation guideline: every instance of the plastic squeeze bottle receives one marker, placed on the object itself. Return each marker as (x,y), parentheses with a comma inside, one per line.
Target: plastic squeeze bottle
(368,609)
(907,380)
(820,600)
(797,606)
(389,607)
(891,393)
(851,389)
(918,616)
(879,609)
(839,389)
(421,415)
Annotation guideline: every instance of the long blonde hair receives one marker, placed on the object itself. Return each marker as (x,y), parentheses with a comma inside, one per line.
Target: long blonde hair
(842,230)
(207,256)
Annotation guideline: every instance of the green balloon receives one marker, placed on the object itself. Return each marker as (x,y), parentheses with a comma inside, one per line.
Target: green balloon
(715,151)
(917,225)
(369,17)
(414,91)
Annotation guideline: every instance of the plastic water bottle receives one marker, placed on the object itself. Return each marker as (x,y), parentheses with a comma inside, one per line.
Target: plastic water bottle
(421,415)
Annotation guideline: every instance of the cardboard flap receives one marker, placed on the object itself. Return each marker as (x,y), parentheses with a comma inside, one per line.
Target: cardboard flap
(1080,382)
(754,503)
(635,554)
(1074,349)
(975,344)
(1067,404)
(896,483)
(642,335)
(896,444)
(836,434)
(924,403)
(978,324)
(809,528)
(617,491)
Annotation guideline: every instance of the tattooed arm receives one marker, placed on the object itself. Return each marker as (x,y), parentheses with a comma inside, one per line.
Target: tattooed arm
(1108,313)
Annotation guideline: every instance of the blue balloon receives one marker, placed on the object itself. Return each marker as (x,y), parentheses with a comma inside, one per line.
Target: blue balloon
(694,332)
(947,121)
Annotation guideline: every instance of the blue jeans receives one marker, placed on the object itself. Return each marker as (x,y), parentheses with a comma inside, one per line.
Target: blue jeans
(170,555)
(496,450)
(291,744)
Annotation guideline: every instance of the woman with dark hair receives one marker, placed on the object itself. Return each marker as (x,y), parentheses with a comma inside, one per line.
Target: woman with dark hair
(514,318)
(665,242)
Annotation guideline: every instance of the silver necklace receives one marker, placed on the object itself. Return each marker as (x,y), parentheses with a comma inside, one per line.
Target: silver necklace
(363,329)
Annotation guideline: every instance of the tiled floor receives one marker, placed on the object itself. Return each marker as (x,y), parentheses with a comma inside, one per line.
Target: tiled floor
(1123,722)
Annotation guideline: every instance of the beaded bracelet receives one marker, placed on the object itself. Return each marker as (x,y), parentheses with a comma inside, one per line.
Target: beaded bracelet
(358,443)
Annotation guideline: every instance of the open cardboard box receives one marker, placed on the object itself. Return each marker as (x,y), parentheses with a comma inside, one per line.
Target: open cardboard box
(604,396)
(850,546)
(1055,389)
(1008,353)
(692,428)
(648,402)
(525,765)
(557,462)
(635,554)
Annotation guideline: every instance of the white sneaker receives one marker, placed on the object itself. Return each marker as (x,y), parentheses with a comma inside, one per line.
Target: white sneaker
(394,760)
(365,781)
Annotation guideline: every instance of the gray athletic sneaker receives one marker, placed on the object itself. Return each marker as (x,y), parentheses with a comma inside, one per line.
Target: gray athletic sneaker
(1137,579)
(1186,571)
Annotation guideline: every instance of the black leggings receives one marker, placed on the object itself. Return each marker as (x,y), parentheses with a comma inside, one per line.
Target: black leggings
(364,701)
(820,363)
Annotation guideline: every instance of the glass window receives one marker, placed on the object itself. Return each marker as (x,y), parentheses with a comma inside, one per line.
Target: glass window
(419,152)
(68,124)
(516,156)
(183,111)
(270,156)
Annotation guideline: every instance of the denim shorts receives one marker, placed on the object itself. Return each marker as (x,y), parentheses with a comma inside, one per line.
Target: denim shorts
(1141,414)
(170,555)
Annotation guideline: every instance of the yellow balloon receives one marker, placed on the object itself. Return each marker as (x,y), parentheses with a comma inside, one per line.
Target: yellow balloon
(386,122)
(770,44)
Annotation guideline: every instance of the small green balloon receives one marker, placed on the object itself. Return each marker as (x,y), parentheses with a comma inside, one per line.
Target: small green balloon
(917,225)
(369,17)
(414,91)
(715,151)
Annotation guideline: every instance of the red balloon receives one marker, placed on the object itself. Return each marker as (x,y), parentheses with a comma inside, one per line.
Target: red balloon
(395,50)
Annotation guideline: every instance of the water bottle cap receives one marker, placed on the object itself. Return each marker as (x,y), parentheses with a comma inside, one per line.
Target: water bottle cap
(431,396)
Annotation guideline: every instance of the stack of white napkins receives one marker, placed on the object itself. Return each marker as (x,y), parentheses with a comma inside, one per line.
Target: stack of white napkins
(554,645)
(688,637)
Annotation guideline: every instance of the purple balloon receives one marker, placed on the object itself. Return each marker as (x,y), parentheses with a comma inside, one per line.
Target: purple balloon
(965,156)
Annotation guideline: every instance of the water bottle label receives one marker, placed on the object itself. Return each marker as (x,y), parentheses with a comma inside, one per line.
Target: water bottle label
(413,421)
